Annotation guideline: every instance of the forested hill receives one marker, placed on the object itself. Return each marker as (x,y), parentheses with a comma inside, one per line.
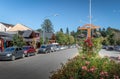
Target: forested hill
(115,30)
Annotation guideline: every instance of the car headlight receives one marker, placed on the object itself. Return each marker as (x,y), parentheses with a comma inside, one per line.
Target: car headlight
(8,55)
(44,49)
(25,51)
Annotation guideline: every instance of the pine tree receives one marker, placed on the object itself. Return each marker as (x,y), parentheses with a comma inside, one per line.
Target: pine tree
(47,26)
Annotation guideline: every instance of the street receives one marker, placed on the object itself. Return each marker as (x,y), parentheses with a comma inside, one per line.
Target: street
(35,67)
(111,54)
(104,52)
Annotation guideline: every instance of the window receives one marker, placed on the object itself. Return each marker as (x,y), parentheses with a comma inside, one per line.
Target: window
(20,49)
(5,29)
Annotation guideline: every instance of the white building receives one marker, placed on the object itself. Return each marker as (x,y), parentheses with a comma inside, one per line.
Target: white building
(5,27)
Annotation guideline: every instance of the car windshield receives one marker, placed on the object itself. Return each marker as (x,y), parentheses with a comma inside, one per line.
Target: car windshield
(50,45)
(9,49)
(25,48)
(43,46)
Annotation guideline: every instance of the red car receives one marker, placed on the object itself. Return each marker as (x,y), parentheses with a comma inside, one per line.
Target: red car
(29,50)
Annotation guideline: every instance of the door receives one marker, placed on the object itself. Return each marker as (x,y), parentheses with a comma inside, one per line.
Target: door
(20,52)
(17,53)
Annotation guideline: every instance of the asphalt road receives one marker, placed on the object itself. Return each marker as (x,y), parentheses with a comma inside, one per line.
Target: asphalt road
(35,67)
(104,52)
(113,55)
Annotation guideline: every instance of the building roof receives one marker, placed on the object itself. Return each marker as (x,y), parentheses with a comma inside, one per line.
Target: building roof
(7,38)
(4,34)
(27,33)
(19,27)
(7,25)
(30,40)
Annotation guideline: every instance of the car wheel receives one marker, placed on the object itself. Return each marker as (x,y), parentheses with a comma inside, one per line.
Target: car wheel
(50,51)
(28,55)
(23,55)
(35,53)
(13,58)
(46,51)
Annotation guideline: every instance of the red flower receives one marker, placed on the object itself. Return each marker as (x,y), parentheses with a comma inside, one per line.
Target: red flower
(87,62)
(83,57)
(89,42)
(84,67)
(116,77)
(92,69)
(71,78)
(102,73)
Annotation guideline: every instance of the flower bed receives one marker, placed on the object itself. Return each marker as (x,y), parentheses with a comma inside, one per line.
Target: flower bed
(89,65)
(85,67)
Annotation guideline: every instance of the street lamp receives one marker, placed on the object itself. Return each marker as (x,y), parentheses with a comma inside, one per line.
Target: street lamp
(43,29)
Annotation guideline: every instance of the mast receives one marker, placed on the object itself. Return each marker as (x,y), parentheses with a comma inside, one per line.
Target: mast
(90,13)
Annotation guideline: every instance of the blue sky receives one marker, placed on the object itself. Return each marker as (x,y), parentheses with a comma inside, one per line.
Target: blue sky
(72,13)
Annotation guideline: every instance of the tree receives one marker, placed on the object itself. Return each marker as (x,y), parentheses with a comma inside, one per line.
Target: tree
(18,40)
(39,30)
(41,40)
(61,30)
(73,33)
(47,26)
(46,40)
(118,42)
(61,38)
(72,40)
(111,39)
(104,42)
(104,33)
(103,29)
(100,30)
(68,36)
(67,31)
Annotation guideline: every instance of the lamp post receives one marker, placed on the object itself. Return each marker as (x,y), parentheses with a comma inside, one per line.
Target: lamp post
(43,28)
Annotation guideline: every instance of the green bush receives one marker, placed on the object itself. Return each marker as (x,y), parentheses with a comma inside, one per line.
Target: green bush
(89,65)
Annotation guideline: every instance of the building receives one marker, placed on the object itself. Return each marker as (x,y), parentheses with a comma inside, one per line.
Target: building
(5,40)
(50,36)
(19,27)
(30,36)
(5,27)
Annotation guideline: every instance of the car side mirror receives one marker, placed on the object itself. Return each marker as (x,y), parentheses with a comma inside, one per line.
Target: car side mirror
(15,51)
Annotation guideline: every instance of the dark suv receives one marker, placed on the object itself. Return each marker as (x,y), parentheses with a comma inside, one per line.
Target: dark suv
(51,47)
(43,49)
(11,53)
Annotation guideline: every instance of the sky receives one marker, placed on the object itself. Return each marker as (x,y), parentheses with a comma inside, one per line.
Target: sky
(70,13)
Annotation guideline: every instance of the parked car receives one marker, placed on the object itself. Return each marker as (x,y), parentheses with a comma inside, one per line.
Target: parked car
(51,47)
(56,46)
(110,48)
(117,48)
(29,50)
(43,49)
(104,47)
(11,53)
